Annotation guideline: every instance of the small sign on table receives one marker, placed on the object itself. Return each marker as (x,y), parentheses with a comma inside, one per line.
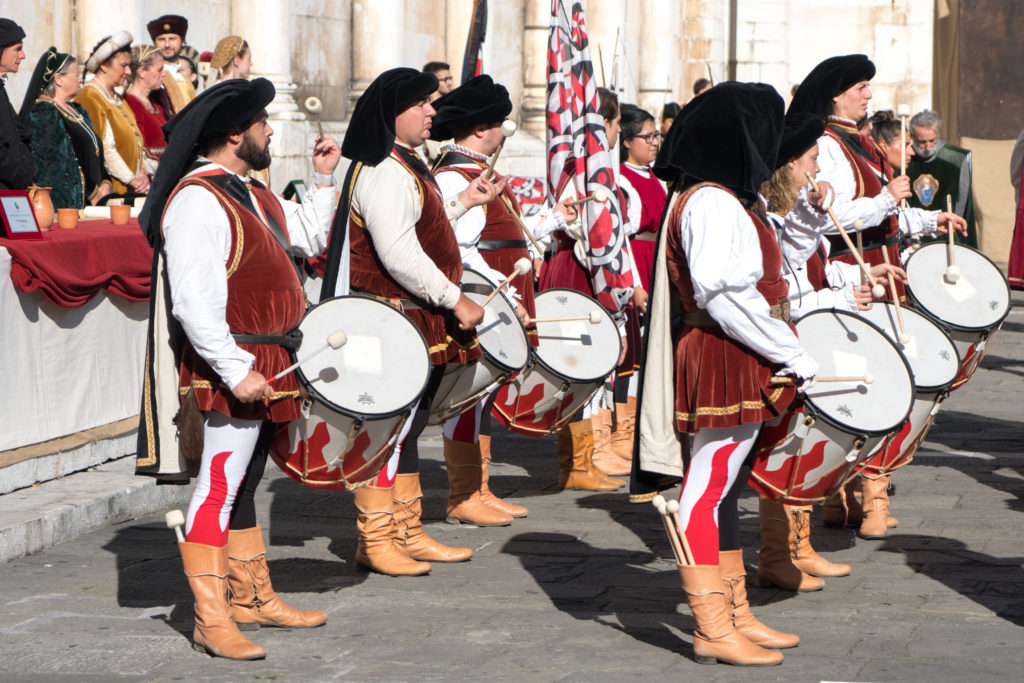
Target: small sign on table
(19,220)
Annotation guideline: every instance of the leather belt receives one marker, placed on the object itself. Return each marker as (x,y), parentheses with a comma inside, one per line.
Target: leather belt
(646,236)
(400,304)
(494,245)
(841,249)
(290,340)
(701,318)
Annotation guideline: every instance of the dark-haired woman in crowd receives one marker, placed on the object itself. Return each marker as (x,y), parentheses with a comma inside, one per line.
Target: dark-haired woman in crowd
(112,119)
(147,67)
(66,152)
(885,130)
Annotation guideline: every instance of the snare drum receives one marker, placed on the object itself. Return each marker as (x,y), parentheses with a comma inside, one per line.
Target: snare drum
(935,362)
(571,362)
(807,454)
(972,309)
(357,397)
(506,351)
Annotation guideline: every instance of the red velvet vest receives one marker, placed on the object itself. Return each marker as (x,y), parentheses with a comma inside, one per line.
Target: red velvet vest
(264,297)
(652,198)
(501,226)
(446,342)
(868,184)
(772,285)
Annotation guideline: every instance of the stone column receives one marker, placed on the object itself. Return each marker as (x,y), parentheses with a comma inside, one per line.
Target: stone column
(533,107)
(93,20)
(266,25)
(377,30)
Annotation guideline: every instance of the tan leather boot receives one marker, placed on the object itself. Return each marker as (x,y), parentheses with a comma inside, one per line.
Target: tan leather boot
(253,600)
(378,550)
(575,446)
(715,638)
(734,578)
(843,509)
(803,555)
(465,477)
(485,492)
(774,565)
(215,632)
(876,508)
(409,534)
(604,458)
(625,426)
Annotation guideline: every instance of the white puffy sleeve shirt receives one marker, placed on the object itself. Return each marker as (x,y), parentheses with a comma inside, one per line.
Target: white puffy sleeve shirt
(197,244)
(724,255)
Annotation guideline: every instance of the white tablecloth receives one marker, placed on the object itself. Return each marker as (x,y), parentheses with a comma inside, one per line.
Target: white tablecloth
(63,370)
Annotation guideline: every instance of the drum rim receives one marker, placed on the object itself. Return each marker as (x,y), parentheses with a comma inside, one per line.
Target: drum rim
(925,388)
(540,361)
(821,414)
(515,315)
(319,398)
(951,325)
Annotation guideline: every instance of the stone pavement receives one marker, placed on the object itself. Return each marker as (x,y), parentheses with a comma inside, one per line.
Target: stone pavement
(584,589)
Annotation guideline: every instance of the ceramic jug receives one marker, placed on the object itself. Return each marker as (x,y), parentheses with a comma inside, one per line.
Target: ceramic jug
(41,206)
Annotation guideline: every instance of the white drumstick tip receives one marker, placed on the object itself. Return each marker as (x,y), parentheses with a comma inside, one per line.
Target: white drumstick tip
(595,317)
(313,105)
(175,520)
(508,128)
(952,274)
(672,506)
(599,195)
(659,503)
(524,266)
(337,339)
(858,225)
(878,291)
(869,378)
(903,110)
(904,338)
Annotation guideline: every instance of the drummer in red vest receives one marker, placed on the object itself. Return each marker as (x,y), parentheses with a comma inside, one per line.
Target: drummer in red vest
(719,258)
(396,242)
(491,240)
(838,91)
(235,290)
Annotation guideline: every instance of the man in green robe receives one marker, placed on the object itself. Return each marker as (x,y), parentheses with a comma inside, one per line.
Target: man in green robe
(937,169)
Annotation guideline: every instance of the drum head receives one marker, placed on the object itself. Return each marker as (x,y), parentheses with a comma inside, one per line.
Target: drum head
(844,344)
(932,356)
(380,371)
(575,349)
(978,301)
(502,335)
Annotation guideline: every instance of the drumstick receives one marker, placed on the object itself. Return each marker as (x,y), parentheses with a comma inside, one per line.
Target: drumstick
(175,520)
(673,509)
(860,248)
(335,340)
(673,537)
(952,269)
(526,230)
(903,112)
(877,290)
(314,107)
(598,196)
(866,378)
(904,337)
(523,266)
(508,129)
(594,318)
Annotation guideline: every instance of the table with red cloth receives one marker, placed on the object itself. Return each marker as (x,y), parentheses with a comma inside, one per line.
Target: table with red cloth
(73,316)
(69,267)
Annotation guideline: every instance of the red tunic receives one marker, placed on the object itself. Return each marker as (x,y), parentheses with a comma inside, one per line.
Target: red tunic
(445,341)
(652,202)
(720,382)
(264,297)
(501,226)
(868,184)
(149,124)
(1015,269)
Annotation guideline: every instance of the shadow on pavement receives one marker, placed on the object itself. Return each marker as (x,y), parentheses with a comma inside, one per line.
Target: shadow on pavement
(996,583)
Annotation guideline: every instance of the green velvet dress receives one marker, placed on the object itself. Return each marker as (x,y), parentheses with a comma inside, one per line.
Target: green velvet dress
(67,154)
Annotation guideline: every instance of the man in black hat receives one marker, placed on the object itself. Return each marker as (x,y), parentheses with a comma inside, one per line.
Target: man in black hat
(16,171)
(168,34)
(393,239)
(235,290)
(490,241)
